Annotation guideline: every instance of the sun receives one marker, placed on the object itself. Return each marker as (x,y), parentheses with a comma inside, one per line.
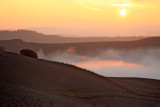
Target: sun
(123,12)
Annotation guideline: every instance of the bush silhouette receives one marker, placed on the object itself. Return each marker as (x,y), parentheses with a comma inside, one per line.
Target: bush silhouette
(2,48)
(29,53)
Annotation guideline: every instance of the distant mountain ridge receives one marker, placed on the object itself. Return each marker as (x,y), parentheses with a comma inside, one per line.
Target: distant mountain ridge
(87,48)
(33,36)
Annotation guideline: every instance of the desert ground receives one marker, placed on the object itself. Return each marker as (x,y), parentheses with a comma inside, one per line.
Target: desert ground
(33,82)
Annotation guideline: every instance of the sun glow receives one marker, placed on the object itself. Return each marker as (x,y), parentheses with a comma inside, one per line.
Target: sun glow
(82,17)
(123,5)
(123,12)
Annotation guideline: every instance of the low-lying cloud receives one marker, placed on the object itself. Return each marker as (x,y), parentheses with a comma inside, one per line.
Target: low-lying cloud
(143,63)
(105,63)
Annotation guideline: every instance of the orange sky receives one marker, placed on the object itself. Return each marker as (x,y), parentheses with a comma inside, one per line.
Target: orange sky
(83,17)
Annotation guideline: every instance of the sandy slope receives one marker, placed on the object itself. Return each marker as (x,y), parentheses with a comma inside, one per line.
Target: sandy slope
(52,83)
(13,96)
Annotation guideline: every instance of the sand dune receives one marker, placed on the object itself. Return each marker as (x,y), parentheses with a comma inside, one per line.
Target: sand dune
(51,83)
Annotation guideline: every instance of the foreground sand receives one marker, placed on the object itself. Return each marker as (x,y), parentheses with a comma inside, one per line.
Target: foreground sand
(34,83)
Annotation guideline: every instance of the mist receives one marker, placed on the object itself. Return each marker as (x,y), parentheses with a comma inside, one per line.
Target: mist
(141,63)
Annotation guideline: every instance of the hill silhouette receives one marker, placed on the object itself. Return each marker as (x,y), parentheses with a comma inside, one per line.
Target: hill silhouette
(33,36)
(85,48)
(31,82)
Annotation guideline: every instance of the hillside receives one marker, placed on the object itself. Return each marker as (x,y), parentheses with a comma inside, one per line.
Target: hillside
(32,82)
(86,48)
(33,36)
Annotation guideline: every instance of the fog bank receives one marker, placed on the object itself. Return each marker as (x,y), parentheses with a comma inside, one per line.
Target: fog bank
(143,63)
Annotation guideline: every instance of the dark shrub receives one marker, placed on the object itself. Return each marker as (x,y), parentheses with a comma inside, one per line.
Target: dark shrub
(1,48)
(29,53)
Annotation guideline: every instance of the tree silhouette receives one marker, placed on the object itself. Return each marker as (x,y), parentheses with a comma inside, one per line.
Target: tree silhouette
(2,48)
(29,53)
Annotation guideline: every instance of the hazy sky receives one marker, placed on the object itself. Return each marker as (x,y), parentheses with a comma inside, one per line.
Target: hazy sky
(83,17)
